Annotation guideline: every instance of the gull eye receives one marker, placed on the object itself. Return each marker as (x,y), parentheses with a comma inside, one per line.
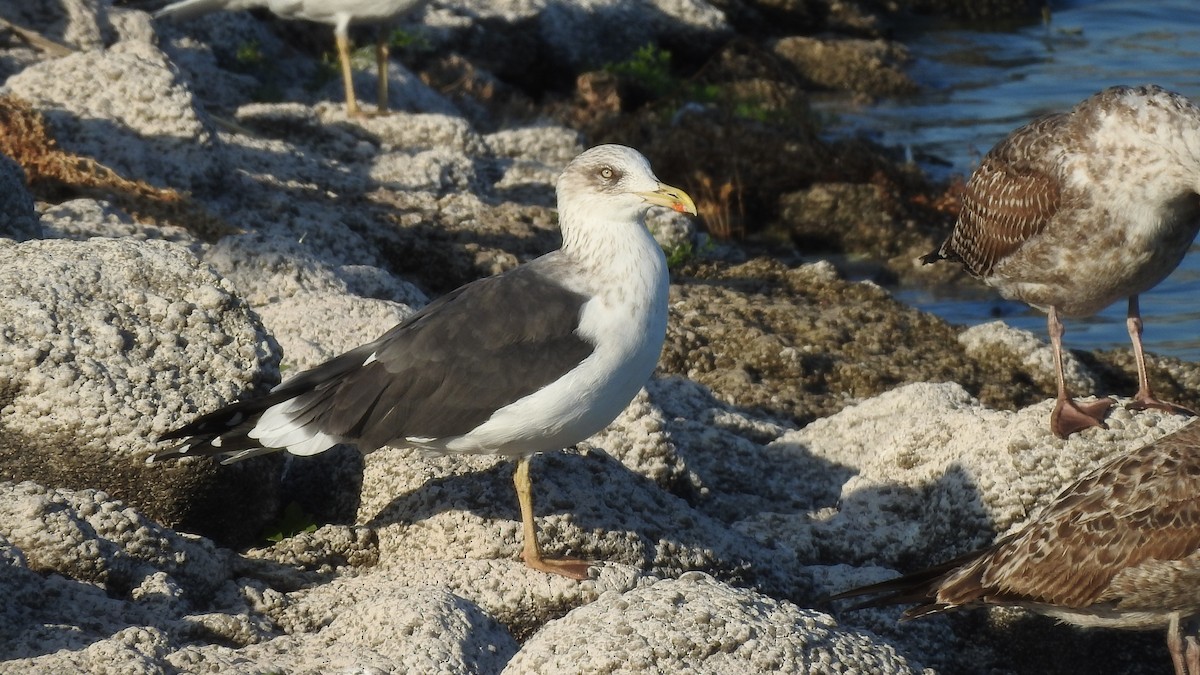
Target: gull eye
(607,173)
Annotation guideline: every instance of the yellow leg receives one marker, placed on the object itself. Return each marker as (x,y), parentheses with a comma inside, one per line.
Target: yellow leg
(532,553)
(343,47)
(381,59)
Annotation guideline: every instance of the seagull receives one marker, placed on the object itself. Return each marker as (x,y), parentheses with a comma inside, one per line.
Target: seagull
(337,13)
(1119,548)
(534,359)
(1077,210)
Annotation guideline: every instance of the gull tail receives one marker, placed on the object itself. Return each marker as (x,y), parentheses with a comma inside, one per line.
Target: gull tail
(224,433)
(295,416)
(932,257)
(187,9)
(922,587)
(944,252)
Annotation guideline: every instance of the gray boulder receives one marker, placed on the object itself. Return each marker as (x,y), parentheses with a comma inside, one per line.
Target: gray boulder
(18,221)
(109,343)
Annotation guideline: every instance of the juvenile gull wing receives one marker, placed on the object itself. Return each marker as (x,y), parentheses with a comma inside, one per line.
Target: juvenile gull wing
(440,373)
(1106,545)
(1009,199)
(1137,511)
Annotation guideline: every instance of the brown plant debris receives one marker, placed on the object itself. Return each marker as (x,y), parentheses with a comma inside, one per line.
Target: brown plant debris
(53,174)
(720,206)
(35,39)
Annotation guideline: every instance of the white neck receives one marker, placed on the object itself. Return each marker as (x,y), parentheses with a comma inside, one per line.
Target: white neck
(612,247)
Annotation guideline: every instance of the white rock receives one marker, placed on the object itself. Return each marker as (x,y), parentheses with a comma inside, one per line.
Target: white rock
(928,473)
(125,108)
(695,624)
(80,23)
(86,536)
(367,625)
(587,33)
(1036,355)
(109,342)
(82,219)
(439,170)
(314,327)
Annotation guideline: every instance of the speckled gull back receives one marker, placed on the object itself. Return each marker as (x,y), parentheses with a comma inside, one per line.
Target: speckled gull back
(1122,541)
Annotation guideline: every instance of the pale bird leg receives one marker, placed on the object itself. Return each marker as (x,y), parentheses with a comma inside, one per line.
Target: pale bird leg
(381,59)
(1175,645)
(1145,398)
(532,553)
(343,47)
(1068,416)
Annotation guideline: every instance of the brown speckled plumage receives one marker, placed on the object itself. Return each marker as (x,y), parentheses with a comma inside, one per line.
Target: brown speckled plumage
(1009,199)
(1118,548)
(1077,210)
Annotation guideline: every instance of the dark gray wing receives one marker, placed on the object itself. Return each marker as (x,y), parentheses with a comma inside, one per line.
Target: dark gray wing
(440,373)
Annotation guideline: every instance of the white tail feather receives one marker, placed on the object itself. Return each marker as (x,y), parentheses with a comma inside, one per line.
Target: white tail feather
(277,428)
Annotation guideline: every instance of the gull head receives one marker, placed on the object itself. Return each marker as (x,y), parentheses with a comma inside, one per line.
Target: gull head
(617,181)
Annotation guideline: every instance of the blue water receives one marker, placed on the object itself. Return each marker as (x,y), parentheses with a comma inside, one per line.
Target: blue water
(979,85)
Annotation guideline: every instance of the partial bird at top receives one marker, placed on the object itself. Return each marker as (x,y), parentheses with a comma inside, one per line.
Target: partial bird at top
(537,358)
(1077,210)
(337,13)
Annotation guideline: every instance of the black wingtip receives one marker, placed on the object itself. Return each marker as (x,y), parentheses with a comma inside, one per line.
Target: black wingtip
(886,598)
(918,588)
(932,257)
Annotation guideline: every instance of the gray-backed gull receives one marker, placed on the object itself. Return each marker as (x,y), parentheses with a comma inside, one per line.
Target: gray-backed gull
(1119,548)
(537,358)
(338,13)
(1077,210)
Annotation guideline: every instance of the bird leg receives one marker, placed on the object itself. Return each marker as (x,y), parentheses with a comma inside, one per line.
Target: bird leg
(381,60)
(1068,416)
(532,553)
(340,34)
(1185,650)
(1175,645)
(1145,398)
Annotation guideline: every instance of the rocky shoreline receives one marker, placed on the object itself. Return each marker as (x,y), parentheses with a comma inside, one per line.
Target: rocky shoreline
(168,246)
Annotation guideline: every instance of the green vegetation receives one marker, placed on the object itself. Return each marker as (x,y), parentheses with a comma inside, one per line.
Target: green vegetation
(687,252)
(680,255)
(649,69)
(327,70)
(409,40)
(249,56)
(291,522)
(249,59)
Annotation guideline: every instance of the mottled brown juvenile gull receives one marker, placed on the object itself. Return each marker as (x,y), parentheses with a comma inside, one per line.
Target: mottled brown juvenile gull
(537,358)
(1119,548)
(1077,210)
(338,13)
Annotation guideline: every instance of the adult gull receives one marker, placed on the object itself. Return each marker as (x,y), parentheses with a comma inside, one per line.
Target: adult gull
(537,358)
(1077,210)
(338,13)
